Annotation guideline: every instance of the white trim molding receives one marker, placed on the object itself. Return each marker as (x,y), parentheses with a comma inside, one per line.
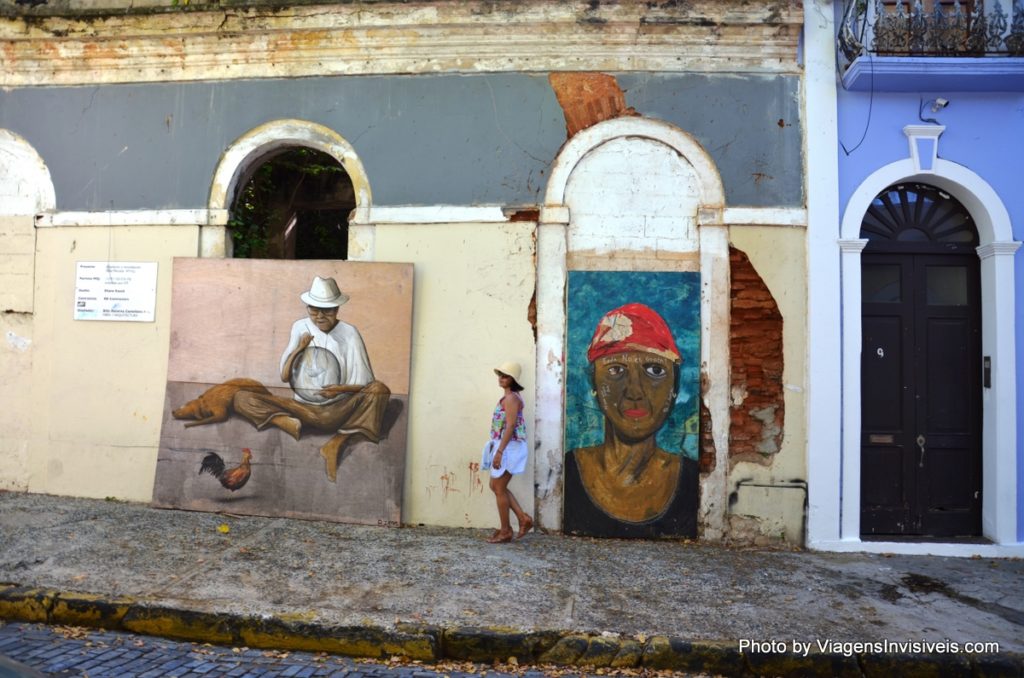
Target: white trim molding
(410,215)
(999,429)
(924,145)
(712,193)
(715,314)
(765,216)
(824,403)
(922,548)
(549,411)
(849,266)
(185,217)
(364,220)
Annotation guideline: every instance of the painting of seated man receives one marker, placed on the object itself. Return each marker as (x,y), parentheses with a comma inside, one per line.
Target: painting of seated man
(322,423)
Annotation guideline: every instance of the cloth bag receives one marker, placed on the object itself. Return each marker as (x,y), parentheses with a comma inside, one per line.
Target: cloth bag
(487,454)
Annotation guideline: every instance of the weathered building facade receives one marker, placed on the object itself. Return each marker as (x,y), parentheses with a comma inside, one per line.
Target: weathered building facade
(497,146)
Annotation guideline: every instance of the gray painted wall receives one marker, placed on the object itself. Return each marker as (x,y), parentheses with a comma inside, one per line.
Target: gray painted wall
(441,139)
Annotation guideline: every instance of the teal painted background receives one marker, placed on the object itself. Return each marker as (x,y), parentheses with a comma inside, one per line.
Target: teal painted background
(676,297)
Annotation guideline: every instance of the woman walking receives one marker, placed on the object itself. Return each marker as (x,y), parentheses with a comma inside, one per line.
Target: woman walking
(508,433)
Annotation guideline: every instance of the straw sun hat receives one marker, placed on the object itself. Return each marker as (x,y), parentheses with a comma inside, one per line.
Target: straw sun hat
(511,369)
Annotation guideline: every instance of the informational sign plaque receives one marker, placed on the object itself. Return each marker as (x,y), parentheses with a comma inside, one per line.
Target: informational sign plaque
(115,290)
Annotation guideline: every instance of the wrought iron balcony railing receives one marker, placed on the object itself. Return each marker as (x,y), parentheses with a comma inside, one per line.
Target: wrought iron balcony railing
(940,28)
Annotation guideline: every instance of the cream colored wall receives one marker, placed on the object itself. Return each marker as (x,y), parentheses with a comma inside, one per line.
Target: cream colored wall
(17,248)
(16,414)
(97,388)
(778,255)
(472,292)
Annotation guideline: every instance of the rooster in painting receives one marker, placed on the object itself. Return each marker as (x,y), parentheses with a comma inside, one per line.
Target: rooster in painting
(232,479)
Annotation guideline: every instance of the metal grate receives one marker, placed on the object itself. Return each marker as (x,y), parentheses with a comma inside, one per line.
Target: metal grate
(932,28)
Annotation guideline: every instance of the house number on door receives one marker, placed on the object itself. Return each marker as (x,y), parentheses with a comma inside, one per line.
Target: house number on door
(881,352)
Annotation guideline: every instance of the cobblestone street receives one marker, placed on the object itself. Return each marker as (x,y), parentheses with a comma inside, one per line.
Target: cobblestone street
(74,652)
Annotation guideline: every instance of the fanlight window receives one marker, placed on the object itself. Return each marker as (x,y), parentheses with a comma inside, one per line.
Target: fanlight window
(919,216)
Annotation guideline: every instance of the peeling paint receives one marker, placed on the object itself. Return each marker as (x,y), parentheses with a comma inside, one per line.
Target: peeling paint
(117,41)
(18,343)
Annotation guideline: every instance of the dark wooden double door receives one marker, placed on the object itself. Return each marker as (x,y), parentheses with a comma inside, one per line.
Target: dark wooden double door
(921,381)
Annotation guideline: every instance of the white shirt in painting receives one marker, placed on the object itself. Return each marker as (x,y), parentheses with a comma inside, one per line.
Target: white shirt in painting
(344,343)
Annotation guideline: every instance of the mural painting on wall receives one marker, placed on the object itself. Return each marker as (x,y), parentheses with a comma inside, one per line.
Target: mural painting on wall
(287,389)
(632,404)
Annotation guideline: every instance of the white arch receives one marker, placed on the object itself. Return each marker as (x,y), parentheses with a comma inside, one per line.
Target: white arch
(255,144)
(712,193)
(25,184)
(551,277)
(989,214)
(999,429)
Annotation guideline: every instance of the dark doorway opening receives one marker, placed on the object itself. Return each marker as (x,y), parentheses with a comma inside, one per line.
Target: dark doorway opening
(293,204)
(921,407)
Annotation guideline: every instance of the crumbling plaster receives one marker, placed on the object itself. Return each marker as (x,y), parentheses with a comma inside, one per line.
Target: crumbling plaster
(767,497)
(75,43)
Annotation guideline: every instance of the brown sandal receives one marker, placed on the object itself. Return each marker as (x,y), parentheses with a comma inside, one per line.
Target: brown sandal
(500,538)
(525,527)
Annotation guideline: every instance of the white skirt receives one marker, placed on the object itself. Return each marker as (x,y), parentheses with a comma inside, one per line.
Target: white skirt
(513,459)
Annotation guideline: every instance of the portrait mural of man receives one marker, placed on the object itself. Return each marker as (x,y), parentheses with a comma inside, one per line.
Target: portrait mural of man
(320,426)
(632,404)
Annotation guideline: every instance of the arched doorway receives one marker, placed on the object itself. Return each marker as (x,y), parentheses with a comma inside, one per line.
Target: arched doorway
(836,523)
(294,204)
(331,169)
(921,366)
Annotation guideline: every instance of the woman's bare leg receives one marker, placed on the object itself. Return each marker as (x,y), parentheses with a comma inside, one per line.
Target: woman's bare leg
(501,495)
(525,521)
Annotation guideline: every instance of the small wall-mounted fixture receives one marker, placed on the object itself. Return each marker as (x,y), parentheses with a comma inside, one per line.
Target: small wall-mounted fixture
(939,104)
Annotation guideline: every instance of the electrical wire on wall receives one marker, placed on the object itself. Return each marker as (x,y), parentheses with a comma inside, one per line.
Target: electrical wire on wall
(850,6)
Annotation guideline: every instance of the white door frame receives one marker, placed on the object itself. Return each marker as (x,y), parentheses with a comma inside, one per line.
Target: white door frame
(999,428)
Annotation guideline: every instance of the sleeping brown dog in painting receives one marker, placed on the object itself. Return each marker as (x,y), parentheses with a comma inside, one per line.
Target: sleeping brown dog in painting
(214,405)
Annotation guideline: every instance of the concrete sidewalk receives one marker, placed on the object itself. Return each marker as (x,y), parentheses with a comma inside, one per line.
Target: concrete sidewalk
(432,593)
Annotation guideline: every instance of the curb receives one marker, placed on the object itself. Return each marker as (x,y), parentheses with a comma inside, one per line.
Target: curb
(430,643)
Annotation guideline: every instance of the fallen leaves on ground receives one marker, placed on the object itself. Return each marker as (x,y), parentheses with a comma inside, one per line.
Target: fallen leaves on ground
(513,667)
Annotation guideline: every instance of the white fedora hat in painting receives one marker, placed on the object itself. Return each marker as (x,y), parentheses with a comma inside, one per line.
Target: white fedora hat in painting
(324,293)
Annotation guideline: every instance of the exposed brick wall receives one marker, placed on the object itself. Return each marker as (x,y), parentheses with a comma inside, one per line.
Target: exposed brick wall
(708,455)
(588,98)
(755,333)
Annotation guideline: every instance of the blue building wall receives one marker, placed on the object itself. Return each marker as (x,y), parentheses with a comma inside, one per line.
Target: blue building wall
(984,132)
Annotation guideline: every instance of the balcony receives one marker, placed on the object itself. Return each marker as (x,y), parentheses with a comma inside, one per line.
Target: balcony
(929,45)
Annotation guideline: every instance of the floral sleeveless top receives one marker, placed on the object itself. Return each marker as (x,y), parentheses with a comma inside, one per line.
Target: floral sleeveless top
(498,421)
